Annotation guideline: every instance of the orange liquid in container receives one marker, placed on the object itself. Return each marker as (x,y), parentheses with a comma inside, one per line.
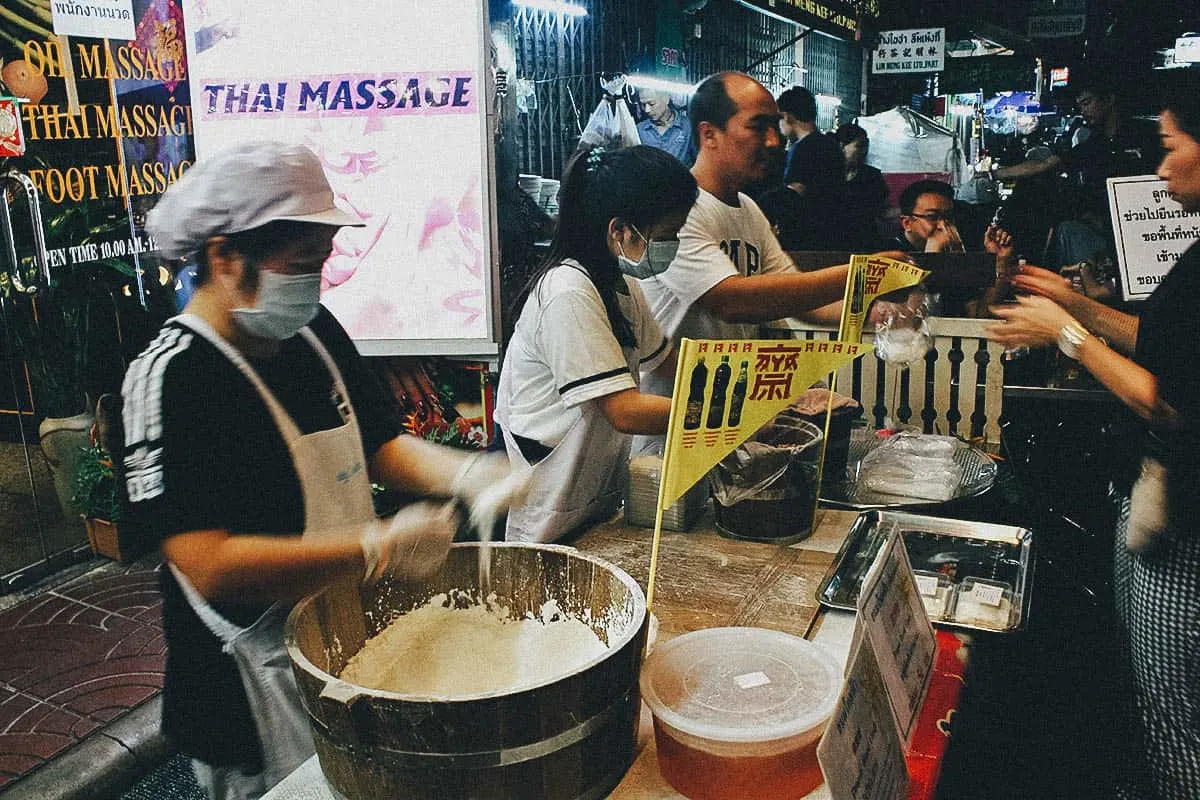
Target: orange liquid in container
(738,712)
(706,776)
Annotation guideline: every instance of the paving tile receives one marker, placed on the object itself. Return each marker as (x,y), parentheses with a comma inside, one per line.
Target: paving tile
(63,722)
(38,651)
(41,610)
(37,735)
(13,766)
(151,615)
(65,688)
(106,698)
(13,706)
(143,640)
(73,660)
(33,716)
(40,746)
(127,594)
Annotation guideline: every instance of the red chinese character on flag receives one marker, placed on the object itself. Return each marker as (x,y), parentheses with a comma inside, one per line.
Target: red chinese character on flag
(773,371)
(875,273)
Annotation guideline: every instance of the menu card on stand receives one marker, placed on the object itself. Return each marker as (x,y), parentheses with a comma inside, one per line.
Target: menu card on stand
(861,753)
(893,617)
(891,664)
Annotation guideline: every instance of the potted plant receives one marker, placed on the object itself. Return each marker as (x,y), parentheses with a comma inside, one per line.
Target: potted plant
(96,497)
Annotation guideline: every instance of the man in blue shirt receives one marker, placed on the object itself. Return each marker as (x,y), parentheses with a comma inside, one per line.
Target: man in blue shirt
(664,127)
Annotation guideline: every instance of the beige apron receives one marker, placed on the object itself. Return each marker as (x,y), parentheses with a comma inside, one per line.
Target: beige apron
(333,477)
(580,481)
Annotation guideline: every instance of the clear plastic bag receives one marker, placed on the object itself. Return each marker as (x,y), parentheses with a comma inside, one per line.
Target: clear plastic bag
(916,465)
(902,334)
(774,464)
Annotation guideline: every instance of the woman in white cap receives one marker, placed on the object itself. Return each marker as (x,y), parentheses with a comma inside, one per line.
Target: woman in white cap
(253,431)
(568,399)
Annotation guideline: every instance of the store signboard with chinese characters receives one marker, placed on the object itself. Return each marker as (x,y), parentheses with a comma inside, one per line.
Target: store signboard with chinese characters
(912,50)
(392,99)
(1057,19)
(1152,230)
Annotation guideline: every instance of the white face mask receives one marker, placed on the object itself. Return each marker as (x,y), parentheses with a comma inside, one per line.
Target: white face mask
(656,257)
(286,303)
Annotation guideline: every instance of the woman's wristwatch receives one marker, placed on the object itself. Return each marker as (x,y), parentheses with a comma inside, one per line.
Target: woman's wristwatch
(1070,337)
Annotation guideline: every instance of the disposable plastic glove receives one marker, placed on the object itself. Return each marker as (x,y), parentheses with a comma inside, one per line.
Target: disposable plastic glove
(411,544)
(489,486)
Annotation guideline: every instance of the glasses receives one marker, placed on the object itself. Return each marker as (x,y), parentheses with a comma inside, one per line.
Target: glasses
(935,216)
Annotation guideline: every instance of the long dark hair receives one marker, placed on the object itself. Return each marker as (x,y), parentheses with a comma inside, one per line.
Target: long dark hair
(641,186)
(1182,99)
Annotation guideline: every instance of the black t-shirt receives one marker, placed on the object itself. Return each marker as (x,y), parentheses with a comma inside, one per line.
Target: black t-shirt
(1133,150)
(1166,345)
(817,162)
(202,452)
(861,203)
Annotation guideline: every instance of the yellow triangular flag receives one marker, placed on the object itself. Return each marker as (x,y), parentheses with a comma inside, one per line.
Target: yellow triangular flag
(725,390)
(869,277)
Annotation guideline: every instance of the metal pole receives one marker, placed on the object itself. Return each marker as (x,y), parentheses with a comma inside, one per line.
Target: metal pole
(10,354)
(778,50)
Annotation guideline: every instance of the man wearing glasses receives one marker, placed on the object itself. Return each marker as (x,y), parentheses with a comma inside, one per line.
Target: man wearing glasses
(927,219)
(927,222)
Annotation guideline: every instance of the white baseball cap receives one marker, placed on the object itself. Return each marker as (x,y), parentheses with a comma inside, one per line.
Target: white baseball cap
(241,188)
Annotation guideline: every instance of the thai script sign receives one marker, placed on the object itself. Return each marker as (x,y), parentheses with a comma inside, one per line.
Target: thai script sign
(913,50)
(99,19)
(1152,230)
(1056,19)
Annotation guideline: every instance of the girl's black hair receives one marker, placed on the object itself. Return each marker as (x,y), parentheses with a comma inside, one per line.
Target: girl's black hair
(255,245)
(1182,99)
(641,186)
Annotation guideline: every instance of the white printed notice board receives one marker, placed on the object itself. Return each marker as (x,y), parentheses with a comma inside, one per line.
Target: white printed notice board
(1152,230)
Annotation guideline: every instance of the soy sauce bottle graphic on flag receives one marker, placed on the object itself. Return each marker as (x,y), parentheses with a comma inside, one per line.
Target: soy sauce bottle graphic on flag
(739,396)
(695,403)
(716,411)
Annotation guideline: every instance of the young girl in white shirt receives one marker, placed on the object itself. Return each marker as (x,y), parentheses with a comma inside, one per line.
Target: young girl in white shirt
(568,400)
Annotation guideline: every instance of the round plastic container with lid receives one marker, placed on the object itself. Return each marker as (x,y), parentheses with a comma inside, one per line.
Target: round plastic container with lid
(738,712)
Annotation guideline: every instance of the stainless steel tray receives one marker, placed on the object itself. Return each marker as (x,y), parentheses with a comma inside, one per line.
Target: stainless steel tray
(977,554)
(844,491)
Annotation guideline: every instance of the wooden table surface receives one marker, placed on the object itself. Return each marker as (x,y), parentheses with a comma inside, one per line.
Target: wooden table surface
(706,580)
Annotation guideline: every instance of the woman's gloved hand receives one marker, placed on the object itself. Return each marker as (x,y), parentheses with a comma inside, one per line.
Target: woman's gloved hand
(489,486)
(411,544)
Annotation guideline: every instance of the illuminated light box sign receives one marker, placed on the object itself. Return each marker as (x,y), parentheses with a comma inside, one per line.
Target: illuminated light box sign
(391,97)
(353,95)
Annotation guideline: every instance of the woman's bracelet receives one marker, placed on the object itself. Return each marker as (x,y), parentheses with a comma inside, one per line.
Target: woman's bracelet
(1070,337)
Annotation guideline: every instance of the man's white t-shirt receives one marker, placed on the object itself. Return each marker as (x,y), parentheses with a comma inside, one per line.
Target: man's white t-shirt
(718,241)
(563,353)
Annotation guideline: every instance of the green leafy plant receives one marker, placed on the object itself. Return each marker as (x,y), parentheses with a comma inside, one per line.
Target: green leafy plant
(95,485)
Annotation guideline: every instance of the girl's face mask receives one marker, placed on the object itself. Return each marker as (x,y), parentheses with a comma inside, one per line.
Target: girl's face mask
(656,257)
